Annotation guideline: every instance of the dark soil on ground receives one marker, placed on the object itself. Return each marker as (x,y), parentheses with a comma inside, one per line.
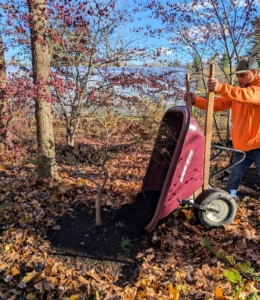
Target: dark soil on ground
(113,245)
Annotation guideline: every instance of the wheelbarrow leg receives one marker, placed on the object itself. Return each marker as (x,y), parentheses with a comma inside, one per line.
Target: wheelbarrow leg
(196,193)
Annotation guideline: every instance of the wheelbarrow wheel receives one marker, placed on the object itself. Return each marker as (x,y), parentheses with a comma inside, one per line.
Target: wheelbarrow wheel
(215,199)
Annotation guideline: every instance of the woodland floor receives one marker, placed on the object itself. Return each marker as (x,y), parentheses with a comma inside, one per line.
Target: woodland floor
(51,248)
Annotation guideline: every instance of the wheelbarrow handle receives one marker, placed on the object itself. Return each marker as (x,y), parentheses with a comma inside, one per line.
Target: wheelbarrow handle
(208,131)
(221,148)
(189,101)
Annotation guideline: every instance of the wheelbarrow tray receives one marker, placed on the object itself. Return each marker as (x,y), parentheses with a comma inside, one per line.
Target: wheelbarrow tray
(177,161)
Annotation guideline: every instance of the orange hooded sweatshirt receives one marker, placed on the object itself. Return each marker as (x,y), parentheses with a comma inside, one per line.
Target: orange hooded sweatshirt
(245,104)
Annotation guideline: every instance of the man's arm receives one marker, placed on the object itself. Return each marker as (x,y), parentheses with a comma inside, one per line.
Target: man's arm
(220,103)
(246,95)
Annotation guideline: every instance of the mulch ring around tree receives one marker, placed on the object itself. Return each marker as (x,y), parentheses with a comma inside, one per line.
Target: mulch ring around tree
(111,247)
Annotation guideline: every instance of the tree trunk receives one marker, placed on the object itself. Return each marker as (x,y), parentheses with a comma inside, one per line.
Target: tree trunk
(3,100)
(71,140)
(71,132)
(43,108)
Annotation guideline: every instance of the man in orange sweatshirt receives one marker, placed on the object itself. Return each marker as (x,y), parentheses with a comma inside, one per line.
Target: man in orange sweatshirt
(244,100)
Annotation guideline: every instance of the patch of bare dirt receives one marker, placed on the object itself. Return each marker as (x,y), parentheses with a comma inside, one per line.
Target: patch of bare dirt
(114,245)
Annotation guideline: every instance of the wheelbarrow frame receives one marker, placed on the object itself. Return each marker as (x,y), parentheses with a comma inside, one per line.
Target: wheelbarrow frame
(180,166)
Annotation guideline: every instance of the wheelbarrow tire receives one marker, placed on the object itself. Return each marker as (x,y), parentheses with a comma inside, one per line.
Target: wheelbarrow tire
(218,199)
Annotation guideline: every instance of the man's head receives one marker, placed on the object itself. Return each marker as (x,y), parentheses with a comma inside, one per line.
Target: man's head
(246,71)
(246,64)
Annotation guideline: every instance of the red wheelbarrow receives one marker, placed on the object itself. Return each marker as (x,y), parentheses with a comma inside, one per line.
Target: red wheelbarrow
(179,168)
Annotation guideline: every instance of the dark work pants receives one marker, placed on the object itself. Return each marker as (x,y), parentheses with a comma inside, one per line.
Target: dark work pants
(237,172)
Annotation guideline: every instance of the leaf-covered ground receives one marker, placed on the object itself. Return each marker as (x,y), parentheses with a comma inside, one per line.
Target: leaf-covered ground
(51,249)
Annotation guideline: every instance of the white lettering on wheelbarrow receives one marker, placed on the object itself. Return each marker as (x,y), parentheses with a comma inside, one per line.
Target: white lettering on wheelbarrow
(188,160)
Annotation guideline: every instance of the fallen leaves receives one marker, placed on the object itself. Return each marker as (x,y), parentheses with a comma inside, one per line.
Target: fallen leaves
(29,276)
(177,267)
(219,293)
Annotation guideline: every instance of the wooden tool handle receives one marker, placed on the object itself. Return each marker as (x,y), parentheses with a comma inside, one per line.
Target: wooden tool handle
(208,131)
(189,101)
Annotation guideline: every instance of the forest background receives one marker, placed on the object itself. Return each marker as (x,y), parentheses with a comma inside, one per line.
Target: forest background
(86,81)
